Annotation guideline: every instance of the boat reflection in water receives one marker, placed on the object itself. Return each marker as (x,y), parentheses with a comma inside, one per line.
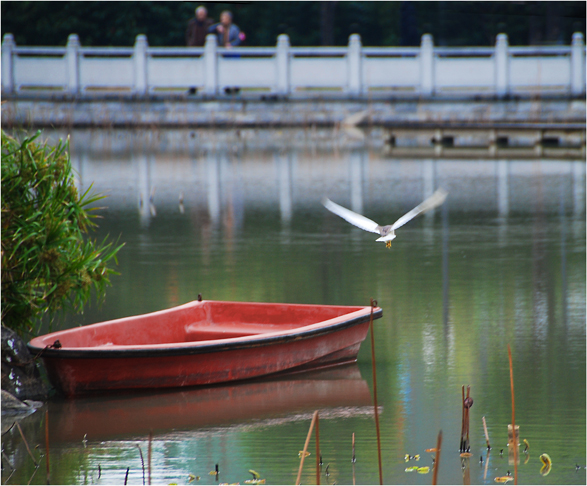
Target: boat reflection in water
(338,391)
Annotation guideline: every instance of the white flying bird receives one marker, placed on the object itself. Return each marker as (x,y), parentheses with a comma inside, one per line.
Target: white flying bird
(387,232)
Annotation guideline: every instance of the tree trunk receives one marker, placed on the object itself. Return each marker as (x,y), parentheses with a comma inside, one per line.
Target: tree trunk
(327,23)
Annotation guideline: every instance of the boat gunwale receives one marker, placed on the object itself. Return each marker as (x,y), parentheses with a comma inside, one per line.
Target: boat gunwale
(212,346)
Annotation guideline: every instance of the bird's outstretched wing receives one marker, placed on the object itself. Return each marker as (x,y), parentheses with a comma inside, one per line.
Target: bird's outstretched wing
(350,216)
(435,200)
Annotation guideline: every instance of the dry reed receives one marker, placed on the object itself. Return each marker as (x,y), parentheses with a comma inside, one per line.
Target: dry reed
(318,456)
(149,455)
(515,440)
(47,445)
(486,434)
(373,304)
(26,445)
(314,417)
(437,458)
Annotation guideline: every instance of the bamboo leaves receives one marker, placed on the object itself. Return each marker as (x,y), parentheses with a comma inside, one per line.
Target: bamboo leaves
(48,262)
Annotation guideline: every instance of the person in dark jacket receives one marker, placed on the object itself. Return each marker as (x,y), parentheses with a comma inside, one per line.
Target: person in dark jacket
(195,35)
(198,28)
(229,35)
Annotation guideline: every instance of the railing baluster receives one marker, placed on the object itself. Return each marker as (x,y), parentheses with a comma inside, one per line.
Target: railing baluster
(427,66)
(8,46)
(211,63)
(282,65)
(354,65)
(140,65)
(501,59)
(577,65)
(72,60)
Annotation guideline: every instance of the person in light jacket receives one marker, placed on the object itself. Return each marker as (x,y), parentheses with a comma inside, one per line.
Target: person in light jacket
(228,34)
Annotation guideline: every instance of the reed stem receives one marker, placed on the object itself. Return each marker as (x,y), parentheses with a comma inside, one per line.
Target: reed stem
(314,417)
(47,445)
(32,476)
(26,444)
(486,434)
(5,458)
(149,455)
(467,404)
(373,304)
(462,420)
(8,478)
(318,456)
(515,440)
(354,460)
(467,417)
(142,462)
(437,458)
(486,464)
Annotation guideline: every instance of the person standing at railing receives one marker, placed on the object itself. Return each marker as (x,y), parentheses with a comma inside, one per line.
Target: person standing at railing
(198,27)
(195,35)
(229,35)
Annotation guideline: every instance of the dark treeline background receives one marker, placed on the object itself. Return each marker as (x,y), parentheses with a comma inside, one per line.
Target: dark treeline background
(306,23)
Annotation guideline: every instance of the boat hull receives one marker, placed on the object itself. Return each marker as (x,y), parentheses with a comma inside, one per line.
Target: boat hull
(77,370)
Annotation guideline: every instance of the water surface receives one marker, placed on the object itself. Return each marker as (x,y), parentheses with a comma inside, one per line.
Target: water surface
(236,215)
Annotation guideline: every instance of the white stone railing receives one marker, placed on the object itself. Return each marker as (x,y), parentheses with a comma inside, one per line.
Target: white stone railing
(284,71)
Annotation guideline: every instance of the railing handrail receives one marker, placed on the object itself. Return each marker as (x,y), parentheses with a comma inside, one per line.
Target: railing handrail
(390,51)
(39,50)
(539,50)
(300,51)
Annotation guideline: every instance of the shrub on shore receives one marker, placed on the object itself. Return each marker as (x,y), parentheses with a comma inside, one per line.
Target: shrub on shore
(49,264)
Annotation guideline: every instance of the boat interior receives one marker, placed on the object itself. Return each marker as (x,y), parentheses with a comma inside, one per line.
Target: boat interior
(197,321)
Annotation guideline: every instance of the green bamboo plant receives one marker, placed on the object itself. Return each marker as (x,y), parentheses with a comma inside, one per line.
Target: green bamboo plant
(49,264)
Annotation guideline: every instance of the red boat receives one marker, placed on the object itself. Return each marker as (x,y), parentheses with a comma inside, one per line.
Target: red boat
(202,343)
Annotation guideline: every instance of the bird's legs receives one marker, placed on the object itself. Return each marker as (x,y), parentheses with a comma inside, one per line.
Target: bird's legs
(388,244)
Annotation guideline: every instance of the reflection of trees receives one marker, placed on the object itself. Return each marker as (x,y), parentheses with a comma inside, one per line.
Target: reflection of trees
(327,23)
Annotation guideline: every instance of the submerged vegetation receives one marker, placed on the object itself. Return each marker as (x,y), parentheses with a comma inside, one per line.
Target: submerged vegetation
(48,262)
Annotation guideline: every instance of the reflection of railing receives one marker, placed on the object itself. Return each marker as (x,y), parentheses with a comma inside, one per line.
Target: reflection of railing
(352,71)
(218,185)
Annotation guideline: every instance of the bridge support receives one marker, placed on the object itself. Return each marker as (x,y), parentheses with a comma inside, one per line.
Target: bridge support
(501,66)
(578,65)
(72,56)
(140,61)
(282,65)
(8,46)
(211,66)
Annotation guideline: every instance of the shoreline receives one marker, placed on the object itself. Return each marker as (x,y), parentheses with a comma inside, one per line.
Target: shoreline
(242,112)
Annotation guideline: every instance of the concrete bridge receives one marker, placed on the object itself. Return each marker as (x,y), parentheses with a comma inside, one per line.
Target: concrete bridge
(426,87)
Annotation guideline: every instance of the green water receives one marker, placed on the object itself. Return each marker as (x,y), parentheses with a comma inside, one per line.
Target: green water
(502,262)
